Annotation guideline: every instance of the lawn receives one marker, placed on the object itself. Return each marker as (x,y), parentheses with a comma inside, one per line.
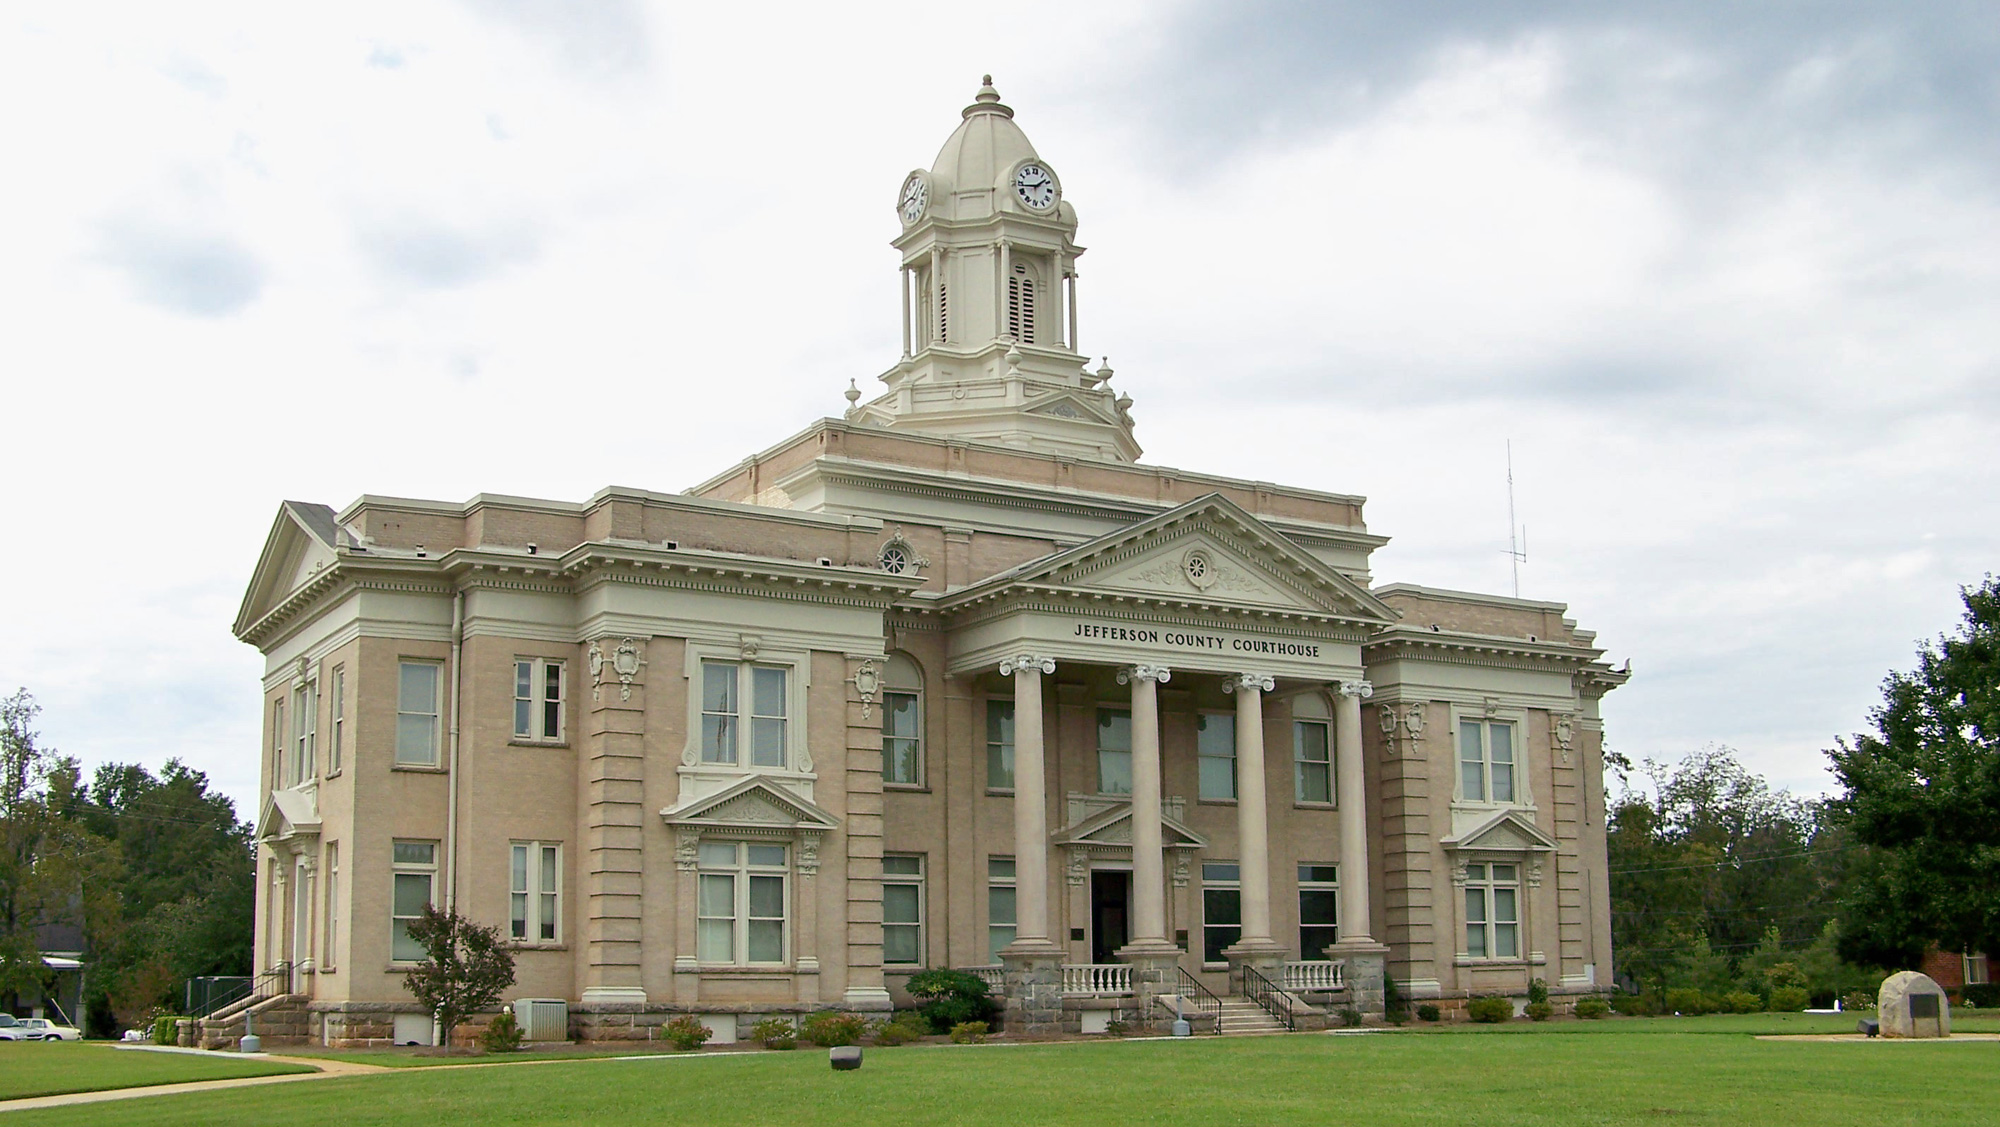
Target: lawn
(1615,1072)
(34,1068)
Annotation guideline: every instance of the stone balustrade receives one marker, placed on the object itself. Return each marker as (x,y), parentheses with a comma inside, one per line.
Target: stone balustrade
(1096,978)
(1314,976)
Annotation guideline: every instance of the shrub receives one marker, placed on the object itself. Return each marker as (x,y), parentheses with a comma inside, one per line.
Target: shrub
(1350,1016)
(912,1020)
(1540,1011)
(1538,991)
(501,1035)
(1857,1000)
(951,998)
(685,1033)
(776,1033)
(828,1029)
(1116,1028)
(895,1033)
(1741,1002)
(1788,999)
(1490,1011)
(1689,1001)
(1634,1005)
(1427,1012)
(969,1033)
(1979,995)
(1592,1008)
(166,1030)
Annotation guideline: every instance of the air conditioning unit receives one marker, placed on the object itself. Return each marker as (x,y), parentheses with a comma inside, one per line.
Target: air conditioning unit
(542,1019)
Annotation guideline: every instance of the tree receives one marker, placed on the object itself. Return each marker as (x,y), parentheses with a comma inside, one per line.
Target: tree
(1922,794)
(466,966)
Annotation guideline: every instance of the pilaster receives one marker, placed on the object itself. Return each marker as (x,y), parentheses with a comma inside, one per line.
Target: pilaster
(866,989)
(612,792)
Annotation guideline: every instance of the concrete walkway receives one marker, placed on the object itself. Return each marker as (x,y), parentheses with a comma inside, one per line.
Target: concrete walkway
(327,1069)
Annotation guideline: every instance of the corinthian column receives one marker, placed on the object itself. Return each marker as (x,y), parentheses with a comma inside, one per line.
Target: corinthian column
(1031,809)
(1149,907)
(1354,926)
(1252,822)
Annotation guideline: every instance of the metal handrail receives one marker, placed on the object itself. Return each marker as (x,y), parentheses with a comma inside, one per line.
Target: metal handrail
(1200,997)
(270,984)
(1266,993)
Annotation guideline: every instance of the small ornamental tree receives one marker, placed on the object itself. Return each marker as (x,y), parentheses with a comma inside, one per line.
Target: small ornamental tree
(465,968)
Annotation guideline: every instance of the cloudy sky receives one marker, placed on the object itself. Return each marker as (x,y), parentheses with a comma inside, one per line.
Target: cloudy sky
(1725,275)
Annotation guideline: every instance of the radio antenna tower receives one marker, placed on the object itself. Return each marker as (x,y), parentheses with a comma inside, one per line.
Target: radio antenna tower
(1517,535)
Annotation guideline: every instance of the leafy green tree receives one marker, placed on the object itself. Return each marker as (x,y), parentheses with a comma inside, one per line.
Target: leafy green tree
(1922,794)
(466,967)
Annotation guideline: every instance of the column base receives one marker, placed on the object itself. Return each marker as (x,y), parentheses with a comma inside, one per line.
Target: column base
(614,995)
(865,998)
(1266,956)
(1367,968)
(1155,963)
(1033,986)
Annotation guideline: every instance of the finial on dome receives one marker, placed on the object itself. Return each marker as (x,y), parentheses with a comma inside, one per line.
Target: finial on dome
(987,100)
(853,393)
(1104,372)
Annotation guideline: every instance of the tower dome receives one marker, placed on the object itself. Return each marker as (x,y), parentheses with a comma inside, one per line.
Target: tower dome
(973,168)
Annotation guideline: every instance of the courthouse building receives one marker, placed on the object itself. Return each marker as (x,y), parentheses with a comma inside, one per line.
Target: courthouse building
(956,680)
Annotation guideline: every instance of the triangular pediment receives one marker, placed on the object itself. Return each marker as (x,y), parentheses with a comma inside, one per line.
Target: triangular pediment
(1113,827)
(300,547)
(288,814)
(1069,407)
(755,802)
(1209,551)
(1501,831)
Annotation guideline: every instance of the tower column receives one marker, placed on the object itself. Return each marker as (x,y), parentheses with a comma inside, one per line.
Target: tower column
(1070,278)
(904,280)
(1006,258)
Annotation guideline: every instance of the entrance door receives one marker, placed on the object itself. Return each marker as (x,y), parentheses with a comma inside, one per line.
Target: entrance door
(1110,897)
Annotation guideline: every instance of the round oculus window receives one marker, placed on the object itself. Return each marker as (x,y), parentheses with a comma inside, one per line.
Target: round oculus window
(1200,570)
(895,559)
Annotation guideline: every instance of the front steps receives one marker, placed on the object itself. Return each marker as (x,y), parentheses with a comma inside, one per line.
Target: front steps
(1243,1016)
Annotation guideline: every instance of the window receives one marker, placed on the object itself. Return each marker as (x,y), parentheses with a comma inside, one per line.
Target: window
(332,905)
(1021,304)
(538,699)
(534,882)
(1319,909)
(305,731)
(277,743)
(1114,751)
(1221,908)
(741,913)
(1312,751)
(725,736)
(902,723)
(415,866)
(999,905)
(999,745)
(1975,969)
(903,909)
(1486,761)
(339,719)
(417,714)
(1492,911)
(1215,754)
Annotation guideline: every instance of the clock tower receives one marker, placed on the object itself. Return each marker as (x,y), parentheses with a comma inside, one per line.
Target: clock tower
(988,273)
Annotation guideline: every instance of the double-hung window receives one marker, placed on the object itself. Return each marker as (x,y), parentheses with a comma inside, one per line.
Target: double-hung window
(326,955)
(903,723)
(999,905)
(736,730)
(1312,761)
(1492,911)
(1221,908)
(414,865)
(535,887)
(417,713)
(1975,969)
(278,738)
(740,915)
(339,720)
(538,699)
(1319,909)
(305,731)
(903,909)
(999,745)
(1215,755)
(1114,751)
(1486,761)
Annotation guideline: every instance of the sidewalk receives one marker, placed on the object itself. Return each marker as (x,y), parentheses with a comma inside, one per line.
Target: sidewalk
(326,1070)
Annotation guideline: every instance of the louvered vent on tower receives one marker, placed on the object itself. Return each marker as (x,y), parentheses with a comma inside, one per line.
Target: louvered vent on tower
(1021,304)
(944,314)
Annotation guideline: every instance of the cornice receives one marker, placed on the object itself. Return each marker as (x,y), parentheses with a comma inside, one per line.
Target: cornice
(591,565)
(1457,648)
(1178,612)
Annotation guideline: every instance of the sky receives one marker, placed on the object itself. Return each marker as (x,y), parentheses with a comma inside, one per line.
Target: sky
(1723,277)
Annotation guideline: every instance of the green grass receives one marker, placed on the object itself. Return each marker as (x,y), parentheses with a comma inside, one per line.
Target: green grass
(428,1058)
(34,1068)
(1568,1073)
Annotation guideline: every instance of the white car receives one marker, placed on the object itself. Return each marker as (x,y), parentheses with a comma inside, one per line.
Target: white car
(42,1029)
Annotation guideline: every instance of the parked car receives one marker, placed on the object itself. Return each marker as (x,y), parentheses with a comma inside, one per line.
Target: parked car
(42,1029)
(10,1027)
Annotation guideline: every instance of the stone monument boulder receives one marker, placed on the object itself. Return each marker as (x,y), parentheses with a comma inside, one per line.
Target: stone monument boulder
(1912,1005)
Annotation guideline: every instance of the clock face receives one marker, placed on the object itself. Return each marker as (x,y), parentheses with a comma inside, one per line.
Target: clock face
(915,195)
(1035,186)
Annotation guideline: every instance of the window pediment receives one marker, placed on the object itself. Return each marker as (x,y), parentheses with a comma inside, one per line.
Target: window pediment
(1113,827)
(1499,831)
(752,804)
(288,814)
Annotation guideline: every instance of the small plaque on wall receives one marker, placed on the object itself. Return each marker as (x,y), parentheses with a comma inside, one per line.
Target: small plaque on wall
(1180,939)
(1076,935)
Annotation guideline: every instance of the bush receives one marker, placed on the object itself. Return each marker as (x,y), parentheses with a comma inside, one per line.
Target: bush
(951,998)
(1540,1011)
(1116,1028)
(895,1033)
(1979,995)
(685,1033)
(969,1033)
(776,1033)
(1741,1002)
(828,1029)
(1427,1012)
(1538,991)
(166,1030)
(1857,1000)
(1634,1005)
(1490,1011)
(1690,1002)
(501,1035)
(1350,1016)
(1592,1008)
(1788,999)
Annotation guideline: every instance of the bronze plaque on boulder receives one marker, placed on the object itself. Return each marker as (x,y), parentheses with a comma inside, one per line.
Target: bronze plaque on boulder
(1924,1005)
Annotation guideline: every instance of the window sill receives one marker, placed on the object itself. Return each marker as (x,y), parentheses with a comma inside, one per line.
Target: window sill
(999,792)
(752,969)
(1215,966)
(1215,802)
(1304,804)
(419,768)
(906,788)
(1532,959)
(517,742)
(524,945)
(333,774)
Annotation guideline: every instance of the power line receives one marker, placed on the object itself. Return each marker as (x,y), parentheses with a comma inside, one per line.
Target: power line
(1734,861)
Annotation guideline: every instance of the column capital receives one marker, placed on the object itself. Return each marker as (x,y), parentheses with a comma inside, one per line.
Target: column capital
(1131,673)
(1258,681)
(1361,689)
(1010,666)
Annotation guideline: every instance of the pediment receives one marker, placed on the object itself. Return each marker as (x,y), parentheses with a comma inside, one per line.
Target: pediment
(1113,827)
(754,803)
(299,548)
(288,814)
(1069,407)
(1199,564)
(1502,831)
